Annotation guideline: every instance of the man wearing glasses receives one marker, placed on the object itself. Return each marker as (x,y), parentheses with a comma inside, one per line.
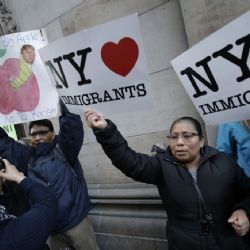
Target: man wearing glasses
(52,160)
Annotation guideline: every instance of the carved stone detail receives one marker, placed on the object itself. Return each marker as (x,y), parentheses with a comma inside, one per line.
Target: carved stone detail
(7,22)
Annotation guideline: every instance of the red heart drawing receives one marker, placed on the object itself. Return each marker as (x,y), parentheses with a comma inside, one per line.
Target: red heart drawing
(121,57)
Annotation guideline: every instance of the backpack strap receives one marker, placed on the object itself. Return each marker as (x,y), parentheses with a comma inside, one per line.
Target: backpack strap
(207,221)
(58,154)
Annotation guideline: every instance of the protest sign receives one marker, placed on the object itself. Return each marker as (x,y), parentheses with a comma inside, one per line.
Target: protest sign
(103,67)
(215,73)
(26,91)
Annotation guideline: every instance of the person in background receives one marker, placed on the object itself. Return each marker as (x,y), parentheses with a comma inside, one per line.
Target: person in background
(205,194)
(31,230)
(234,139)
(53,161)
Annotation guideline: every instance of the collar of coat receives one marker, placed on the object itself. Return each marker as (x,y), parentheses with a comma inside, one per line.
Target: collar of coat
(208,152)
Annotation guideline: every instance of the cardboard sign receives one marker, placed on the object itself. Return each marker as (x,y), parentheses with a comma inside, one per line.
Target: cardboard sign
(26,92)
(216,75)
(103,67)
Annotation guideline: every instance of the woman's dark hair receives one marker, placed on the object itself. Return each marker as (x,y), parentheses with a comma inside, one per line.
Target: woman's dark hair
(193,121)
(45,122)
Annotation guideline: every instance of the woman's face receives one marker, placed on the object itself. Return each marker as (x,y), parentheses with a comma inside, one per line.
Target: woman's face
(184,143)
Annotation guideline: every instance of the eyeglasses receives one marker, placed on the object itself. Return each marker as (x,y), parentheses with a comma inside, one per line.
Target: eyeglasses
(41,132)
(187,137)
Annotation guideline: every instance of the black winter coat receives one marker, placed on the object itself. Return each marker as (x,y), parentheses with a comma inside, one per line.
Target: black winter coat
(223,185)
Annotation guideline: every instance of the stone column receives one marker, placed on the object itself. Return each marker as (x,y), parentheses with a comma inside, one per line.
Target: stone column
(7,22)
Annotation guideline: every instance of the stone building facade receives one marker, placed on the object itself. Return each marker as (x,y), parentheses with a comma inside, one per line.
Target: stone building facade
(128,215)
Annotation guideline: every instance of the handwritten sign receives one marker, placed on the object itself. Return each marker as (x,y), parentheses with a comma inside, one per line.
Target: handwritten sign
(216,75)
(26,91)
(103,67)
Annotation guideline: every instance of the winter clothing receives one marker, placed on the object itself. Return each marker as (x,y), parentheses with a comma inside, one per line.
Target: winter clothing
(234,139)
(223,185)
(14,199)
(63,176)
(83,236)
(31,230)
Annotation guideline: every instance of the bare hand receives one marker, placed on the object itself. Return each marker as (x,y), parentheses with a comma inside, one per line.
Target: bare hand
(95,119)
(239,222)
(10,173)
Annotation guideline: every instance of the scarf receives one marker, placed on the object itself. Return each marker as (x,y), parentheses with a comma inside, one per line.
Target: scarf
(4,215)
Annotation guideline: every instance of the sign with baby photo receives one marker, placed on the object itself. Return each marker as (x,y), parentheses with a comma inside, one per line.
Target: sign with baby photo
(26,92)
(103,67)
(216,75)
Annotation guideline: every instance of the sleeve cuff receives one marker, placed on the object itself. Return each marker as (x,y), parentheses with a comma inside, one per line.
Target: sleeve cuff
(26,184)
(106,132)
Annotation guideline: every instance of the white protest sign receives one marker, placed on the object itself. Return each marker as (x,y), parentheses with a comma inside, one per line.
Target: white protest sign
(215,73)
(103,67)
(26,91)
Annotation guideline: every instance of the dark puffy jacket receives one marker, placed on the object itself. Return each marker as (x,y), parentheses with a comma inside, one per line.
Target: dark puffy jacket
(63,176)
(223,184)
(14,199)
(28,232)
